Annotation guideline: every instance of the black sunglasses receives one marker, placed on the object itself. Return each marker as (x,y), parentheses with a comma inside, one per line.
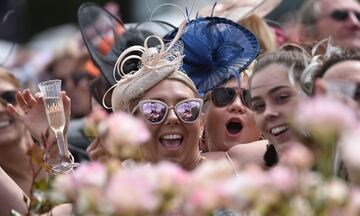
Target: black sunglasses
(223,96)
(8,97)
(342,15)
(76,77)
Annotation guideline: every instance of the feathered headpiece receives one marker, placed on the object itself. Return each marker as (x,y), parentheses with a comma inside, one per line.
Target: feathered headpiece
(216,49)
(318,54)
(156,64)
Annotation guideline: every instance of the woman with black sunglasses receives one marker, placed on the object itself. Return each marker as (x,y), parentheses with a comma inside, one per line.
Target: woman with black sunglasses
(217,53)
(15,139)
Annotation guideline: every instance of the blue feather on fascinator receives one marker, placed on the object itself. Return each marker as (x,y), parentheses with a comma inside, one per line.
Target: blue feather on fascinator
(216,50)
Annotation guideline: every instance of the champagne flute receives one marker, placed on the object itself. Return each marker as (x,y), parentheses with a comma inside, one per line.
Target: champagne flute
(64,161)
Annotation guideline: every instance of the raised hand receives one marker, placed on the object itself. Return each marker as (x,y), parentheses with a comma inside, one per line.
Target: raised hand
(32,113)
(96,151)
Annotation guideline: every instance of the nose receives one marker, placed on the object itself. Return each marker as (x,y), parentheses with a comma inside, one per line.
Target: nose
(354,20)
(237,106)
(171,117)
(270,113)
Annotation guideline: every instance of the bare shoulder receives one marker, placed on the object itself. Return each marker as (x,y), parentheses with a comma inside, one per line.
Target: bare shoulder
(242,154)
(249,152)
(256,146)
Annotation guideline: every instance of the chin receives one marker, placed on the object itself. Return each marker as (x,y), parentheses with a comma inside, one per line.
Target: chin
(281,147)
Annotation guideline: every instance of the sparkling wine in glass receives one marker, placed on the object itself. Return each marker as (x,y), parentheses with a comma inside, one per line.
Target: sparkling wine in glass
(64,161)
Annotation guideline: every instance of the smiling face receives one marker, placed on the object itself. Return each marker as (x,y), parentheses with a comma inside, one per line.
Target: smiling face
(11,130)
(229,125)
(172,139)
(273,99)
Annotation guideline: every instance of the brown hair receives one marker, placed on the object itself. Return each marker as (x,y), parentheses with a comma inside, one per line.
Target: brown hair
(335,58)
(288,56)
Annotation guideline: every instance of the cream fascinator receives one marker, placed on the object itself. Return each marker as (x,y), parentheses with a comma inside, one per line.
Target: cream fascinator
(319,53)
(156,64)
(236,10)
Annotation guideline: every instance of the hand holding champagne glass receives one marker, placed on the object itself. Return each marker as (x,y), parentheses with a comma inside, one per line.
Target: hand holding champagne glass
(56,118)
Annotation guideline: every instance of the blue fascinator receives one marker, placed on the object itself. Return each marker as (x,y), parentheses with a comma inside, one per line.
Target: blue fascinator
(216,50)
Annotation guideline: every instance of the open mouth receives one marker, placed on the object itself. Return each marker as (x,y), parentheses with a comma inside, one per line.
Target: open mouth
(171,140)
(234,127)
(278,130)
(4,123)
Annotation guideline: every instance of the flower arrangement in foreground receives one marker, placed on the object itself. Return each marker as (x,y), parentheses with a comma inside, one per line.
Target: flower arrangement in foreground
(166,189)
(291,188)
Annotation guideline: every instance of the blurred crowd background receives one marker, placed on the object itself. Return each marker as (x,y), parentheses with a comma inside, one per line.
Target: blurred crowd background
(41,40)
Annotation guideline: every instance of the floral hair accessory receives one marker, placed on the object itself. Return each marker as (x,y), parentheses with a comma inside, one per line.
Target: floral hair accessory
(318,54)
(156,63)
(216,50)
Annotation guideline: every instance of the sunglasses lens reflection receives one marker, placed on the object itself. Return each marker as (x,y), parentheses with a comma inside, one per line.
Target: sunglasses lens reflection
(188,111)
(154,112)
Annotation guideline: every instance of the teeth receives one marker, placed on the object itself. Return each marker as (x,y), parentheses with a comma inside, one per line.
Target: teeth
(4,123)
(279,129)
(171,136)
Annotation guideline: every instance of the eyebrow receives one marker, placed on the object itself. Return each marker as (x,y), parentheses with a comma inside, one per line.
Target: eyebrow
(271,91)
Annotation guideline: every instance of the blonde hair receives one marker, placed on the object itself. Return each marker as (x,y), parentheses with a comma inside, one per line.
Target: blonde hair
(6,75)
(122,102)
(262,31)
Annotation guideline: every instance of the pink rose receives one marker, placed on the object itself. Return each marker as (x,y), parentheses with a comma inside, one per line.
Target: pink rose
(123,134)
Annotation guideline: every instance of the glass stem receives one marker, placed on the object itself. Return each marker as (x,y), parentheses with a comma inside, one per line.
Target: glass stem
(61,144)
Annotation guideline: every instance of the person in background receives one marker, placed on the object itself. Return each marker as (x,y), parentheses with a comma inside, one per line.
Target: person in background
(339,19)
(339,76)
(71,66)
(342,70)
(249,15)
